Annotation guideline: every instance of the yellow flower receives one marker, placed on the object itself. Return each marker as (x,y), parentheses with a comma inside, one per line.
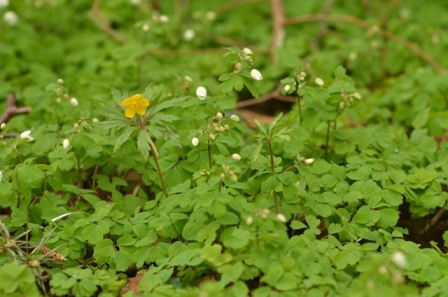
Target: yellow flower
(135,104)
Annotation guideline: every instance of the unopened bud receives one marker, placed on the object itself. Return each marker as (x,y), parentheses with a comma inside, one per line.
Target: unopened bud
(341,105)
(264,213)
(212,136)
(399,259)
(287,88)
(60,81)
(3,126)
(95,120)
(236,157)
(74,102)
(249,220)
(66,143)
(58,100)
(256,74)
(195,141)
(222,176)
(233,178)
(247,51)
(309,161)
(235,117)
(281,217)
(356,95)
(201,93)
(219,115)
(319,82)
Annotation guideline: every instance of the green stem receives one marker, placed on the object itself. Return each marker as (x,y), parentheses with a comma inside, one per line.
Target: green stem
(209,154)
(300,110)
(273,172)
(327,141)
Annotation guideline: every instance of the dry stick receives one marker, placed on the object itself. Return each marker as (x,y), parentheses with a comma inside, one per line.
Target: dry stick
(278,31)
(276,94)
(101,21)
(12,110)
(363,24)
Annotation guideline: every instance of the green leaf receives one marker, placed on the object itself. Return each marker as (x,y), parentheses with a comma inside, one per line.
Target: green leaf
(191,230)
(104,251)
(143,144)
(125,133)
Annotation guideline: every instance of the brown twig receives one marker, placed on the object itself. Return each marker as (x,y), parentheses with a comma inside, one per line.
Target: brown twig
(12,110)
(276,94)
(363,24)
(103,23)
(278,31)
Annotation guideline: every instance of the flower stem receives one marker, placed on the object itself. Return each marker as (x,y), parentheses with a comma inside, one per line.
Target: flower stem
(300,110)
(209,154)
(155,155)
(273,172)
(327,141)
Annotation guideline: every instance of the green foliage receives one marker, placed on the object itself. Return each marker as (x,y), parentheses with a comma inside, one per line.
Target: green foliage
(343,194)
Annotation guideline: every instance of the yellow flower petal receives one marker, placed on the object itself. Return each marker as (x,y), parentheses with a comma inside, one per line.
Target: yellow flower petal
(143,102)
(126,102)
(129,113)
(140,110)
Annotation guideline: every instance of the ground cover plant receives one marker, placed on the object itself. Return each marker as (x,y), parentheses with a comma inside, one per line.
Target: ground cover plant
(223,148)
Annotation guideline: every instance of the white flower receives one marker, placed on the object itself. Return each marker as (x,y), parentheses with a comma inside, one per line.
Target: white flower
(247,51)
(189,34)
(235,117)
(4,3)
(74,102)
(1,175)
(201,92)
(163,19)
(287,88)
(399,259)
(11,18)
(60,81)
(281,217)
(195,141)
(236,157)
(319,82)
(66,143)
(309,161)
(256,74)
(3,126)
(26,135)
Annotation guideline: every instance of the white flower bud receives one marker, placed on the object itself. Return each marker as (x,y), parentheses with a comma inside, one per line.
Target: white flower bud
(357,96)
(201,92)
(189,34)
(219,115)
(235,117)
(188,78)
(163,19)
(264,213)
(226,127)
(212,136)
(195,141)
(11,18)
(341,105)
(4,3)
(145,27)
(281,217)
(236,157)
(238,66)
(353,56)
(287,88)
(3,126)
(222,176)
(249,220)
(75,126)
(319,82)
(66,144)
(247,51)
(302,74)
(1,175)
(256,74)
(74,102)
(58,100)
(233,178)
(26,135)
(60,81)
(95,120)
(309,161)
(399,259)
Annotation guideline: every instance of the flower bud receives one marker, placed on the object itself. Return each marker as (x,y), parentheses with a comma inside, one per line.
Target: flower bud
(319,82)
(201,93)
(357,96)
(95,120)
(309,161)
(341,105)
(26,135)
(60,81)
(249,220)
(211,15)
(195,141)
(3,126)
(238,66)
(247,51)
(74,102)
(236,157)
(226,127)
(222,176)
(66,144)
(256,74)
(11,18)
(302,74)
(219,115)
(264,213)
(189,34)
(287,88)
(399,259)
(163,19)
(212,136)
(34,263)
(281,217)
(58,100)
(1,176)
(145,27)
(235,117)
(233,178)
